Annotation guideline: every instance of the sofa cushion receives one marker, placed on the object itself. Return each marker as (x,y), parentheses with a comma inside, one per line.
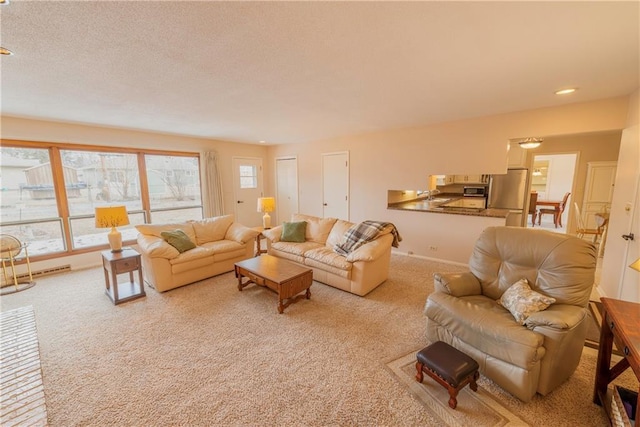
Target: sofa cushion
(195,258)
(178,239)
(211,229)
(156,229)
(485,325)
(240,233)
(318,229)
(293,232)
(522,301)
(225,249)
(298,249)
(326,259)
(337,232)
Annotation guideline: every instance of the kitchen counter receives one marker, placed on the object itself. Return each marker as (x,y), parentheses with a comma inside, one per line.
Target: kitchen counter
(435,206)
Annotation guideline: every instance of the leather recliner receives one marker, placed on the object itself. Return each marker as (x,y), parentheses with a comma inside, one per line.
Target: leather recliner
(523,359)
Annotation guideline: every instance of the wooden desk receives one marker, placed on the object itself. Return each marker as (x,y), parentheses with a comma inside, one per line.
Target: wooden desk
(555,204)
(621,320)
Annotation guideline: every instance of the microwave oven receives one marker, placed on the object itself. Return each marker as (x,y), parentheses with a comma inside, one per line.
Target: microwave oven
(475,191)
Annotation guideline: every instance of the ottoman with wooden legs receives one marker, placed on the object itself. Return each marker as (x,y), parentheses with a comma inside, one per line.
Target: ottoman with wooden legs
(450,367)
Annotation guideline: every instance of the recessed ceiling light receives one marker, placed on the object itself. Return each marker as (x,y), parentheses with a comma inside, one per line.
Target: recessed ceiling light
(3,2)
(4,51)
(262,142)
(566,91)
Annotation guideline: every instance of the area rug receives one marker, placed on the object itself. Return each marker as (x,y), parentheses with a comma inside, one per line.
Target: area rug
(474,408)
(595,321)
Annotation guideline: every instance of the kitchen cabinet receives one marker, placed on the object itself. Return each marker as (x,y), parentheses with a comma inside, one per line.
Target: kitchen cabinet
(467,202)
(471,179)
(517,157)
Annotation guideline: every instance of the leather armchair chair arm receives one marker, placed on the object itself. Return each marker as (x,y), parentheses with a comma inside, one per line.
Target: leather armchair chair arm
(457,284)
(558,316)
(273,234)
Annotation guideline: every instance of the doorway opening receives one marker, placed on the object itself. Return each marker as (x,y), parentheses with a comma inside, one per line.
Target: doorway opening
(552,179)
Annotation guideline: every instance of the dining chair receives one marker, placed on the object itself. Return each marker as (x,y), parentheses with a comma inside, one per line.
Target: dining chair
(581,229)
(557,213)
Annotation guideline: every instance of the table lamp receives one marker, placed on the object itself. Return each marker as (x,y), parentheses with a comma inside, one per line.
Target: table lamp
(112,216)
(636,265)
(266,205)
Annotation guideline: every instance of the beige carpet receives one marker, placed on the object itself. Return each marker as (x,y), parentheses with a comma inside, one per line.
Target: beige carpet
(206,354)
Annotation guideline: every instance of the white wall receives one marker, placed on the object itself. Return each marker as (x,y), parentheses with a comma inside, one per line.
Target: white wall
(403,159)
(559,174)
(618,280)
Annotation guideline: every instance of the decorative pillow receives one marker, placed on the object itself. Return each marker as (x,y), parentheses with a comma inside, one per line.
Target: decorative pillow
(293,232)
(522,301)
(178,239)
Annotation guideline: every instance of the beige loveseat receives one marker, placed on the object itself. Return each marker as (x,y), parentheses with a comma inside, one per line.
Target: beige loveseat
(220,243)
(540,354)
(359,272)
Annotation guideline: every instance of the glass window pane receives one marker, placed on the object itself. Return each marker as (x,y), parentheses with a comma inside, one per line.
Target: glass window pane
(174,216)
(85,234)
(97,179)
(26,184)
(174,181)
(248,176)
(42,237)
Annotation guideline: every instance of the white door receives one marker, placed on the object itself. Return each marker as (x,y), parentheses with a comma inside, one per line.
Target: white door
(335,185)
(598,190)
(247,184)
(286,189)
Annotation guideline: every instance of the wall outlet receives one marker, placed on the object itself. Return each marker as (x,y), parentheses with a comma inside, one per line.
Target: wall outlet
(433,248)
(410,252)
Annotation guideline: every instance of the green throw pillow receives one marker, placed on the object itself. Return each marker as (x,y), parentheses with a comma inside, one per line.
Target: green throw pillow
(178,239)
(293,231)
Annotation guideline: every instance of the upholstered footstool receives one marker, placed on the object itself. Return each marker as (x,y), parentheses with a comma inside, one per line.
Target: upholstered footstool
(450,367)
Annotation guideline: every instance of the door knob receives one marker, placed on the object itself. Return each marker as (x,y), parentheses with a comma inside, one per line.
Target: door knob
(240,201)
(324,204)
(627,237)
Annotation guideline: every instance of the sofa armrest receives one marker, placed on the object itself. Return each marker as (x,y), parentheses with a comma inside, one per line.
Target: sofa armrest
(240,233)
(156,247)
(372,250)
(457,284)
(273,234)
(558,316)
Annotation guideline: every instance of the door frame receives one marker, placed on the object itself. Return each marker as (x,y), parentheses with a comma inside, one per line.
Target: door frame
(236,183)
(275,168)
(333,153)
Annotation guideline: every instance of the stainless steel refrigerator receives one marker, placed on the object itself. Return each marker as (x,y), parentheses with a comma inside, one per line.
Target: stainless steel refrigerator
(509,191)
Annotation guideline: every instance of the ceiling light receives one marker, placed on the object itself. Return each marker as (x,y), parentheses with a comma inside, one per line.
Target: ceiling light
(537,172)
(4,2)
(530,142)
(566,91)
(262,142)
(4,51)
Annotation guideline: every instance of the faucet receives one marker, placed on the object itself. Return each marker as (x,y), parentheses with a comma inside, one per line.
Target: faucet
(432,192)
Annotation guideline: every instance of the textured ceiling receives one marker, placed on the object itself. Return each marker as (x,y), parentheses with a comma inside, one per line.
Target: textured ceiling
(289,72)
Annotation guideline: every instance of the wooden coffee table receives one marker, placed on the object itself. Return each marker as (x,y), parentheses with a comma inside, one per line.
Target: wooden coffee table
(282,276)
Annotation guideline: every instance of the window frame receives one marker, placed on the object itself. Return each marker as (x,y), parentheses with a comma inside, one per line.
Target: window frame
(64,216)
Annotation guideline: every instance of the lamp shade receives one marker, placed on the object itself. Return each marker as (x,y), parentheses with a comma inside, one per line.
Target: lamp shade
(636,265)
(266,204)
(111,216)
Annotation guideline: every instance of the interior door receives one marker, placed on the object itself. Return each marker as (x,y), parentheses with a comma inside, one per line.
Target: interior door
(286,189)
(335,185)
(248,187)
(598,190)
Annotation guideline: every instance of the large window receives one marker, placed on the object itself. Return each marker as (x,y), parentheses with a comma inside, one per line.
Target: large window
(50,192)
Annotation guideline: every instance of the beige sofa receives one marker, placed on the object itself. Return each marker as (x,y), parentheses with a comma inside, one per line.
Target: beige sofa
(220,243)
(359,272)
(540,354)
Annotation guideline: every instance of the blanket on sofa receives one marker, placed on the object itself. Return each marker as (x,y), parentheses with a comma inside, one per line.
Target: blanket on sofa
(365,232)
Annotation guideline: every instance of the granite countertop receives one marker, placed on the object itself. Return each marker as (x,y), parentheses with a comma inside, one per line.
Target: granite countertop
(424,205)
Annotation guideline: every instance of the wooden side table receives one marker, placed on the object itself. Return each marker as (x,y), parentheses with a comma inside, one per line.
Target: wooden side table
(115,263)
(259,237)
(620,325)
